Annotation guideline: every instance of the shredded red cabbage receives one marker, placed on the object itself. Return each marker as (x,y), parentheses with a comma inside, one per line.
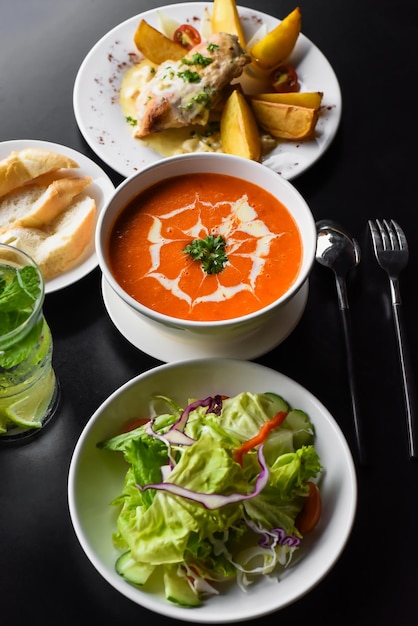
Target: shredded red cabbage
(172,436)
(175,434)
(273,537)
(214,404)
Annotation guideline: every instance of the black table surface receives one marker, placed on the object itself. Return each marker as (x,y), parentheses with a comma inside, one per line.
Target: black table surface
(368,172)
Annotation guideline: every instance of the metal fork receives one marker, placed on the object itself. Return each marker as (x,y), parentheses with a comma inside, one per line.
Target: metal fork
(391,251)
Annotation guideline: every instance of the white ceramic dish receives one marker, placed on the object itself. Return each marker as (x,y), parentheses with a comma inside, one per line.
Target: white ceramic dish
(169,346)
(203,163)
(100,118)
(101,188)
(96,477)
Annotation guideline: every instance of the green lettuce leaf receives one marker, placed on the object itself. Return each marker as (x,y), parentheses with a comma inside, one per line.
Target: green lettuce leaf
(280,502)
(161,533)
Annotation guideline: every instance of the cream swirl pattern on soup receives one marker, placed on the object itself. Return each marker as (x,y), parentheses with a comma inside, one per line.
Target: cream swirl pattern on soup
(242,219)
(262,245)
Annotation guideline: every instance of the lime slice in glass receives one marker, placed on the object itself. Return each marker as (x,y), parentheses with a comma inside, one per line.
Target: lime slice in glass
(22,413)
(4,420)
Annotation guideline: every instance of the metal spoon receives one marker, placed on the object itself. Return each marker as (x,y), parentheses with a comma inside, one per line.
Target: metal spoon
(336,250)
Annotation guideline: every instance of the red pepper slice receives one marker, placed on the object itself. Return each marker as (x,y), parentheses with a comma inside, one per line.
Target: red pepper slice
(187,36)
(284,79)
(260,436)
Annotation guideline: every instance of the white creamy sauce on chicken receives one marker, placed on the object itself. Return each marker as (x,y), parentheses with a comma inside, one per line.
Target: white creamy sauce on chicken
(167,142)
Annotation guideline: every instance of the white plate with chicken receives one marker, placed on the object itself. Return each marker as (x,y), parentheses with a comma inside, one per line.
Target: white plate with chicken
(106,96)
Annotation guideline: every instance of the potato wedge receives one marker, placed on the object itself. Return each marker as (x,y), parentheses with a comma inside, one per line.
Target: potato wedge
(225,19)
(310,99)
(285,121)
(273,49)
(155,46)
(239,129)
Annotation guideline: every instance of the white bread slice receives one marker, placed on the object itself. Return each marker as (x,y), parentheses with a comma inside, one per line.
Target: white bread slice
(34,205)
(57,247)
(21,166)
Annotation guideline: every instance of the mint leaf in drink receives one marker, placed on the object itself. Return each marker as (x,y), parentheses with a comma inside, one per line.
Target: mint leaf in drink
(19,291)
(19,288)
(20,351)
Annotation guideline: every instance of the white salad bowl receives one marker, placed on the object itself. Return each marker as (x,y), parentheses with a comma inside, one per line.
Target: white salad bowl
(96,477)
(217,163)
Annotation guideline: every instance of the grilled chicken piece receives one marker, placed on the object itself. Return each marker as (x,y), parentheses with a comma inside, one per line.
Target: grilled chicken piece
(183,92)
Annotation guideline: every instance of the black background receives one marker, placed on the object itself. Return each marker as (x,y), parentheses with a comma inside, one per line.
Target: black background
(369,171)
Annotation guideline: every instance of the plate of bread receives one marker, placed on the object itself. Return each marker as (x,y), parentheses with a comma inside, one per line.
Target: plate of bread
(50,199)
(108,86)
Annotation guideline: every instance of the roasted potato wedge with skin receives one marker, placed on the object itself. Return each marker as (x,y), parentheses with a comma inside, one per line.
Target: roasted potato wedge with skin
(273,49)
(225,19)
(285,121)
(310,99)
(155,46)
(239,129)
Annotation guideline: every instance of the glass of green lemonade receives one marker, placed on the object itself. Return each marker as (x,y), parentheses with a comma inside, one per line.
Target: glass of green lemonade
(29,390)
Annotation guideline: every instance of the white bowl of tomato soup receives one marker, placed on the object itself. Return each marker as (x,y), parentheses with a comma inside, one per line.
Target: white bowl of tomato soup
(208,244)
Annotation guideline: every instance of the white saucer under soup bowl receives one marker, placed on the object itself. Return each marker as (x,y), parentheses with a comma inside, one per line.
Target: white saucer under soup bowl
(239,168)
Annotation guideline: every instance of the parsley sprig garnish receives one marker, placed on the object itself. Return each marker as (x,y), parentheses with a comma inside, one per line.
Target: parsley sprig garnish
(210,251)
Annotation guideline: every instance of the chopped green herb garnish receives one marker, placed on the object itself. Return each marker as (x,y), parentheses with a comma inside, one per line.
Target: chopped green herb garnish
(210,251)
(212,47)
(201,97)
(131,121)
(197,59)
(189,77)
(187,106)
(208,131)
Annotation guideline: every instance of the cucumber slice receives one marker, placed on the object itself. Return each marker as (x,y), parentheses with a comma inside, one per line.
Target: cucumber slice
(303,431)
(177,589)
(276,402)
(133,571)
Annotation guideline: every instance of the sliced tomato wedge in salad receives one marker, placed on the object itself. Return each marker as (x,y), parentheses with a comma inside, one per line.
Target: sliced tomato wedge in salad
(309,516)
(135,423)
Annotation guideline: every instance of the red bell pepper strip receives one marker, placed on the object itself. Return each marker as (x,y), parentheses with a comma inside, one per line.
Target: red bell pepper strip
(265,429)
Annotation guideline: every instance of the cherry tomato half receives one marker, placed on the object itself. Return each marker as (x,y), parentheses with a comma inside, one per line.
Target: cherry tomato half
(187,36)
(134,423)
(311,512)
(284,79)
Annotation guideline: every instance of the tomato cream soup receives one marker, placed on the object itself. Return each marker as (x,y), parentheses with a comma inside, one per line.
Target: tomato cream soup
(262,250)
